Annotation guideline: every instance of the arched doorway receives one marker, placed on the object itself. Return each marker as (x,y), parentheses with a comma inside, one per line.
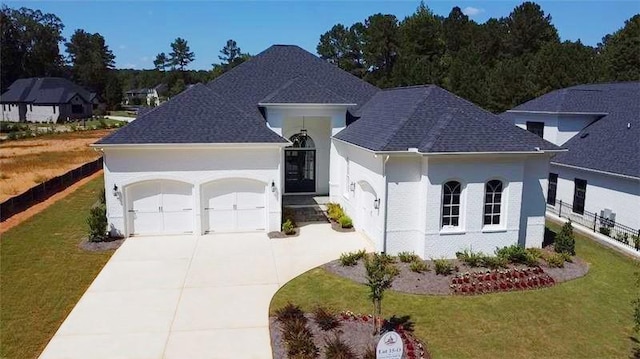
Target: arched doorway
(300,164)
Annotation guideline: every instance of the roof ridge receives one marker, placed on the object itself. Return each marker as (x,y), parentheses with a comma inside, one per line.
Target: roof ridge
(409,116)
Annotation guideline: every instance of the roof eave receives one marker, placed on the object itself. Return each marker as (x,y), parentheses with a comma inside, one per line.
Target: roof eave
(191,145)
(559,112)
(595,170)
(297,105)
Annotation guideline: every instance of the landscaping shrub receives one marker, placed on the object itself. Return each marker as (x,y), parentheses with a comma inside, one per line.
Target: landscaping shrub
(605,230)
(471,258)
(289,312)
(325,319)
(566,257)
(300,344)
(515,254)
(288,215)
(565,243)
(555,260)
(334,211)
(636,242)
(97,222)
(419,266)
(622,237)
(345,221)
(443,266)
(288,228)
(535,252)
(336,348)
(351,258)
(495,262)
(408,257)
(369,353)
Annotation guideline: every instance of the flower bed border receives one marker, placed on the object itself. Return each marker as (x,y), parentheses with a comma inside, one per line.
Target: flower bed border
(500,280)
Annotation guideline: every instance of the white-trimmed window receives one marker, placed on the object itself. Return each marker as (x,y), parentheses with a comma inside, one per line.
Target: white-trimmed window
(492,202)
(451,204)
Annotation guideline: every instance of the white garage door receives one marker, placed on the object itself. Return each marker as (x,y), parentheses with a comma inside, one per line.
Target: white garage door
(236,205)
(160,207)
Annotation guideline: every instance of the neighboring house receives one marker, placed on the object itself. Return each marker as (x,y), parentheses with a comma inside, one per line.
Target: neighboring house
(46,99)
(417,168)
(149,96)
(600,126)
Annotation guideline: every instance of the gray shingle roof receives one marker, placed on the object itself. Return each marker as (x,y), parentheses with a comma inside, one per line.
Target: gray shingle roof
(432,119)
(302,89)
(252,81)
(43,90)
(197,115)
(610,144)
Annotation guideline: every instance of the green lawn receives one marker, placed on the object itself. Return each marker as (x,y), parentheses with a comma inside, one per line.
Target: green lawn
(43,272)
(590,317)
(122,113)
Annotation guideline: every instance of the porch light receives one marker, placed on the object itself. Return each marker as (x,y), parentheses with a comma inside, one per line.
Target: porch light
(115,190)
(273,186)
(352,186)
(303,131)
(376,203)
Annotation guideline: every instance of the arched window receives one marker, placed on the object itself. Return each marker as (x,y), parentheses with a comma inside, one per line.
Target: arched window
(451,204)
(492,202)
(302,140)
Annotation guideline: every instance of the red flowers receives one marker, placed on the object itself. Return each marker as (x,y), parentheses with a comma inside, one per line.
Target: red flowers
(500,280)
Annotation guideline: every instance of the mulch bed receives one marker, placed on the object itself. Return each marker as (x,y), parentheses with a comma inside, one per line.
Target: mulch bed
(275,234)
(107,245)
(338,228)
(355,330)
(431,283)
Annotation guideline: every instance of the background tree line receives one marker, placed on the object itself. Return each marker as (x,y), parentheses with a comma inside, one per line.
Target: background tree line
(498,64)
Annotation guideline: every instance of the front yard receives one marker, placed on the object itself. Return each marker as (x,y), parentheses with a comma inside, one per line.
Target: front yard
(589,317)
(44,273)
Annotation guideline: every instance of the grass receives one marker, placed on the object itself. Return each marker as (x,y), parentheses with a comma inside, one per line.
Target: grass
(44,273)
(122,113)
(590,317)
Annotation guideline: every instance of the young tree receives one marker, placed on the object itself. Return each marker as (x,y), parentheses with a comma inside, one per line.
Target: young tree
(564,242)
(180,54)
(161,62)
(380,274)
(29,46)
(90,59)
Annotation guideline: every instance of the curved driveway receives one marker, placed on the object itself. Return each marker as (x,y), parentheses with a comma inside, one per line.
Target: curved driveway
(192,296)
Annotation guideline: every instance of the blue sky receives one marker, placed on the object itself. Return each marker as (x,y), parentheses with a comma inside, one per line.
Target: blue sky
(137,31)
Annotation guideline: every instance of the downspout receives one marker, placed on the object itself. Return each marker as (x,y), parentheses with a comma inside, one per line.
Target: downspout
(386,197)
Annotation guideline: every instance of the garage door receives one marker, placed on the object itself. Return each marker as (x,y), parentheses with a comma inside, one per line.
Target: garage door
(160,207)
(236,205)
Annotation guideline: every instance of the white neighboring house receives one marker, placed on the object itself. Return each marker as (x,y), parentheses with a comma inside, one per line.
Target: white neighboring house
(600,126)
(417,168)
(148,96)
(46,99)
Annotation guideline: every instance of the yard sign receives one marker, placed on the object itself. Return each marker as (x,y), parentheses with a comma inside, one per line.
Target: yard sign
(389,346)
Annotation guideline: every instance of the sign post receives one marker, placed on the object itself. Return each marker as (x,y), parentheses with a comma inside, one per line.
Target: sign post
(390,346)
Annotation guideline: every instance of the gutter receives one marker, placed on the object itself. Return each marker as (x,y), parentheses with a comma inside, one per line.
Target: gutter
(192,145)
(595,171)
(415,151)
(560,112)
(386,202)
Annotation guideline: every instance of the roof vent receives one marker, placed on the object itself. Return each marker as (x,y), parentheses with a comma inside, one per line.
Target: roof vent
(584,135)
(628,125)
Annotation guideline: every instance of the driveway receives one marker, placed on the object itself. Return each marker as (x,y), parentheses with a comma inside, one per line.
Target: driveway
(192,296)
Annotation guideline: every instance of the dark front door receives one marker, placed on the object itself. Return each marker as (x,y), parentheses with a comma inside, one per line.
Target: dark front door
(300,171)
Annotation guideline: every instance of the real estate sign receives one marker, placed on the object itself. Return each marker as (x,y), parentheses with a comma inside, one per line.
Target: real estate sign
(389,346)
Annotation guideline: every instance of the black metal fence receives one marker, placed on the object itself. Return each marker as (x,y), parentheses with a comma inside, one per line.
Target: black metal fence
(616,231)
(47,189)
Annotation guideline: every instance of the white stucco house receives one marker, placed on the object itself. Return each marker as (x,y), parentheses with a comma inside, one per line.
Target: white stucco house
(147,96)
(600,126)
(46,99)
(417,168)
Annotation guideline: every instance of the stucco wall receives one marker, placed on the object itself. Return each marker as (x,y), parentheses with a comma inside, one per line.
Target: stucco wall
(558,129)
(472,173)
(43,113)
(621,195)
(195,166)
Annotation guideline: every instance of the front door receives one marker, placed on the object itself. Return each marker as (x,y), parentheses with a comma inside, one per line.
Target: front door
(300,165)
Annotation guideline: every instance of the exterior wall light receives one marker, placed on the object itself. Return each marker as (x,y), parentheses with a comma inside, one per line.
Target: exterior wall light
(352,186)
(273,186)
(376,203)
(115,190)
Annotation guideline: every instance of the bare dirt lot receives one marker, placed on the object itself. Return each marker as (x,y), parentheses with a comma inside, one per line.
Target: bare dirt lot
(26,163)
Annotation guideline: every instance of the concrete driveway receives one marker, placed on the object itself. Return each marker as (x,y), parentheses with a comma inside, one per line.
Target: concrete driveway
(192,296)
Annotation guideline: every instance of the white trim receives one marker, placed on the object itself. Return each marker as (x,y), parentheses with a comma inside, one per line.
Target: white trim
(413,151)
(596,171)
(560,112)
(298,105)
(192,145)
